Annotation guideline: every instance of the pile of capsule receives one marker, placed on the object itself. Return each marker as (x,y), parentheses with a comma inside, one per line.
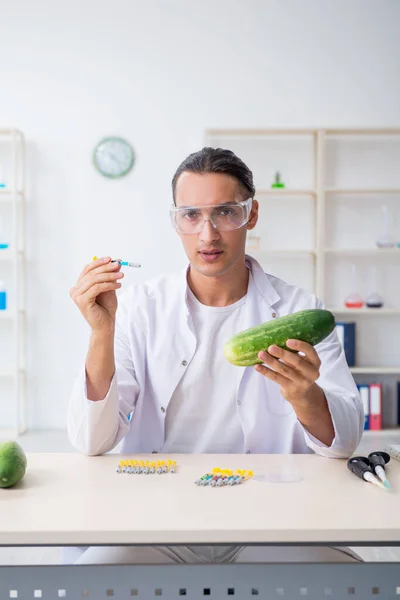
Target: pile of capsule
(147,467)
(219,477)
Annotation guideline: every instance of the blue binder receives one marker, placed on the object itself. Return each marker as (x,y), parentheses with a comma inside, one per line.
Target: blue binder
(347,336)
(364,393)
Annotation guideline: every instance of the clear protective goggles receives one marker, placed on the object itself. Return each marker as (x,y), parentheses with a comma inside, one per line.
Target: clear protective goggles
(223,217)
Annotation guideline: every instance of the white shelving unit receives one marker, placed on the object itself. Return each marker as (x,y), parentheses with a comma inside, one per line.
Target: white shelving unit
(366,252)
(331,176)
(366,312)
(13,272)
(284,192)
(362,192)
(374,370)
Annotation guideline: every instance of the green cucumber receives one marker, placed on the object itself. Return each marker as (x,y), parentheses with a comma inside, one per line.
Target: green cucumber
(311,326)
(12,464)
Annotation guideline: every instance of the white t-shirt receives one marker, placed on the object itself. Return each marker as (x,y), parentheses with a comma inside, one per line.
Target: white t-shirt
(202,415)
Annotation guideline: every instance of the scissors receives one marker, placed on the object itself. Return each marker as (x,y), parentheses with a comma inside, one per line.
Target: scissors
(371,468)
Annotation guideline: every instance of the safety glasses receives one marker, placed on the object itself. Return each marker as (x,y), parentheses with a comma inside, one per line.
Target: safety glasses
(223,217)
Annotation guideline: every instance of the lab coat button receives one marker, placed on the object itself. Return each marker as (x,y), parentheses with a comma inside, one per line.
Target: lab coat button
(154,452)
(184,363)
(274,315)
(162,409)
(248,452)
(239,402)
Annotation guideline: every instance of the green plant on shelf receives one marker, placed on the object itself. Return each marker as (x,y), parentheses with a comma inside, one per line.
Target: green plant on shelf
(278,183)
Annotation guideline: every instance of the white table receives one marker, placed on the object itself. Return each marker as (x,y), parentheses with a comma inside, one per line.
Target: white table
(69,499)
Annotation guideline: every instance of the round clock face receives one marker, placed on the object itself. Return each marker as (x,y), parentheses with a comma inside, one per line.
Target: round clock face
(113,157)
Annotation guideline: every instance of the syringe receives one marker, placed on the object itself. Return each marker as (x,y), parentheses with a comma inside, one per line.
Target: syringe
(123,263)
(126,263)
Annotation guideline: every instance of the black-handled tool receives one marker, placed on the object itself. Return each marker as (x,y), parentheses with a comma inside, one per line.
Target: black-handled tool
(360,466)
(378,460)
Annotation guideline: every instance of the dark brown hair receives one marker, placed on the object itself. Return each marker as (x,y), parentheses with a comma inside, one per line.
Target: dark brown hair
(217,160)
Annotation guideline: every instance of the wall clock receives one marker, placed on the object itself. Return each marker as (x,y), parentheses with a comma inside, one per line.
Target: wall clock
(113,157)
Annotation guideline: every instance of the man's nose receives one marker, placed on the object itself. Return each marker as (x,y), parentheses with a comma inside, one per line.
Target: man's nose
(208,232)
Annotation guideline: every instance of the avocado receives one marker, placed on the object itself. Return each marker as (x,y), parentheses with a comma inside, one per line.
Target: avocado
(12,463)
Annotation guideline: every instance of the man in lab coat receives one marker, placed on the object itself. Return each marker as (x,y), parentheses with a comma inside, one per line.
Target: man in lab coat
(155,375)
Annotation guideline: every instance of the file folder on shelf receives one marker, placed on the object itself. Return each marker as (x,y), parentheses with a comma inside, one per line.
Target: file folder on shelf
(364,393)
(375,406)
(347,336)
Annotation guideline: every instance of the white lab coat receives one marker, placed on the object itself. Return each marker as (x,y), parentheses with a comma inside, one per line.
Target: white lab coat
(154,344)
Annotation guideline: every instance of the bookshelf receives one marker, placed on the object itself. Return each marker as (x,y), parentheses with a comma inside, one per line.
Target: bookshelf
(13,274)
(326,219)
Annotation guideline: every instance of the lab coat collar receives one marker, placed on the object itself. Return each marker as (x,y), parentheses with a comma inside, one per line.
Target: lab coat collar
(261,281)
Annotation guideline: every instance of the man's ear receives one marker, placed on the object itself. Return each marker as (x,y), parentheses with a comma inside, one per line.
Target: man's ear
(252,222)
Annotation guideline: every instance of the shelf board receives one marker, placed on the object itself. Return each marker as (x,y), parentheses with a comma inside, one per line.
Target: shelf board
(363,251)
(370,312)
(389,431)
(9,131)
(285,192)
(8,373)
(376,370)
(6,196)
(258,132)
(362,191)
(333,131)
(11,372)
(265,254)
(7,314)
(7,254)
(10,314)
(355,131)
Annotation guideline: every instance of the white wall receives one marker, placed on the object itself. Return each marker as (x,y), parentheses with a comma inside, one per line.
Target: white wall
(159,73)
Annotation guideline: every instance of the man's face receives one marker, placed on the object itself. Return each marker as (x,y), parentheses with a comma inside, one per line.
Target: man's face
(212,252)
